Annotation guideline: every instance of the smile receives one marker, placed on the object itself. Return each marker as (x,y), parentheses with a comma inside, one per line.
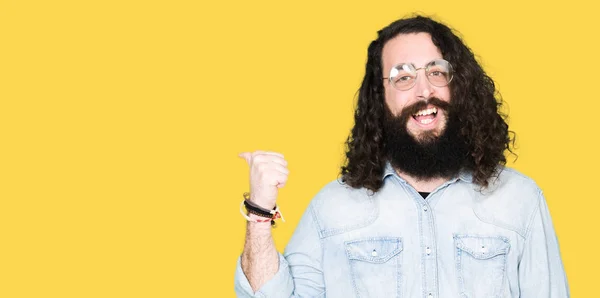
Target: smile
(426,116)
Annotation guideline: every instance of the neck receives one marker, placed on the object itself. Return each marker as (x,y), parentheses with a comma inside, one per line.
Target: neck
(423,185)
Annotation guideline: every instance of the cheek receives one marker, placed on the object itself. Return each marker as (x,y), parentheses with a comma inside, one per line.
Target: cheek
(444,94)
(396,101)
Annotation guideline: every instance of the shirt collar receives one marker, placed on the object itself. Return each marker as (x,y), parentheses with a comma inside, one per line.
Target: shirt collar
(464,175)
(388,170)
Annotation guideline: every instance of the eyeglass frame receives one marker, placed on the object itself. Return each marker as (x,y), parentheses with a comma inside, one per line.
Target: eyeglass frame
(427,65)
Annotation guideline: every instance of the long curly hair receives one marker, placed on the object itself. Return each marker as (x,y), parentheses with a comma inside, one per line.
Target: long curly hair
(473,93)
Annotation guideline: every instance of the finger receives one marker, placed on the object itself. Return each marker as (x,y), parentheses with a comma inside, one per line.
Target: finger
(274,177)
(247,156)
(279,160)
(281,169)
(267,153)
(268,168)
(280,179)
(264,158)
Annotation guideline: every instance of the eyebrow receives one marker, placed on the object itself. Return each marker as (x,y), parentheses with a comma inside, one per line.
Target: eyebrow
(414,64)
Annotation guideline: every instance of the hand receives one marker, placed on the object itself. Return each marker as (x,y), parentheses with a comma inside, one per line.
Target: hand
(268,173)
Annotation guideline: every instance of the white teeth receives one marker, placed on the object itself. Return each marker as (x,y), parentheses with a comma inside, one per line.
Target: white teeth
(426,112)
(426,121)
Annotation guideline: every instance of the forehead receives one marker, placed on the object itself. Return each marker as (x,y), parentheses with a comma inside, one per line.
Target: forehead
(416,48)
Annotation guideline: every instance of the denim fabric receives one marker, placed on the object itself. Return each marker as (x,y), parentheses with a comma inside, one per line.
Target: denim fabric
(459,242)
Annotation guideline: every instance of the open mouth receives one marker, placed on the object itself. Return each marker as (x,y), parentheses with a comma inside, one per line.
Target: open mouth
(426,116)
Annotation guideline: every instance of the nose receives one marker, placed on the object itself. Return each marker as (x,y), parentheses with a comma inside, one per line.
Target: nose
(423,88)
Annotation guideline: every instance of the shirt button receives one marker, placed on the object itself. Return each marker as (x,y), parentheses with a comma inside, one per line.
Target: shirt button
(374,253)
(430,295)
(428,251)
(425,208)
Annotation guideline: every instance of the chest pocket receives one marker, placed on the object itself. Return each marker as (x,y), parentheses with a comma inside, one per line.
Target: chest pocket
(480,265)
(375,266)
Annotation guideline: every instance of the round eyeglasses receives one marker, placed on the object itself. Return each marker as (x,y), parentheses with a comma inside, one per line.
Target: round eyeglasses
(438,72)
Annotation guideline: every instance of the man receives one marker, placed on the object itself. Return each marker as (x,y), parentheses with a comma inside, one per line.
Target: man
(425,207)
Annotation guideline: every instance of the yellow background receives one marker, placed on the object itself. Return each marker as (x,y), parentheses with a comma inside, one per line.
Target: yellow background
(121,121)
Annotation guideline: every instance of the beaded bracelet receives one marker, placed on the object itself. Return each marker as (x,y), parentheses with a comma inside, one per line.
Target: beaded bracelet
(257,210)
(276,215)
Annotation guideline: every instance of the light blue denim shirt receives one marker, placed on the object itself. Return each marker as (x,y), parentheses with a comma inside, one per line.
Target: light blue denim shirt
(459,242)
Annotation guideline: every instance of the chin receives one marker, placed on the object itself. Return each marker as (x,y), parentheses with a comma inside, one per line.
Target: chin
(425,136)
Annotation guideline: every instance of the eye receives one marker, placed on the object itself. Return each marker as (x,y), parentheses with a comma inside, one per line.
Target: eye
(436,73)
(404,79)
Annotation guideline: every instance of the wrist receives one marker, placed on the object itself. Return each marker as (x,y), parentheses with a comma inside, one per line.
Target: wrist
(261,202)
(258,224)
(257,214)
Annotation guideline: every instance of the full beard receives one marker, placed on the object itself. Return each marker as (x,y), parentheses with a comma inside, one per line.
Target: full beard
(430,154)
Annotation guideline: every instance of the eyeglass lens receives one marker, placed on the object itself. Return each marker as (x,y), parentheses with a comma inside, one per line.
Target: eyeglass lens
(438,73)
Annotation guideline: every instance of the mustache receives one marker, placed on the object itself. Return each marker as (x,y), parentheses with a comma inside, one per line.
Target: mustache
(412,109)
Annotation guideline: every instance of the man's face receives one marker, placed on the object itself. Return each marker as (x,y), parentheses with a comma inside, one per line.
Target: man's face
(421,129)
(419,50)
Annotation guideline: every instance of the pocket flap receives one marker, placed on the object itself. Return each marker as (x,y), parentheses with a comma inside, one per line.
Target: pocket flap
(482,247)
(374,250)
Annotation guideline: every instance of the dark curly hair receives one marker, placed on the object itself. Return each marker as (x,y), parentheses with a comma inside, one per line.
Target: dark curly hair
(473,93)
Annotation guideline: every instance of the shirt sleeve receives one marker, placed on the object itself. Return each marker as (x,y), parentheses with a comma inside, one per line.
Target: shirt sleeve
(300,267)
(541,271)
